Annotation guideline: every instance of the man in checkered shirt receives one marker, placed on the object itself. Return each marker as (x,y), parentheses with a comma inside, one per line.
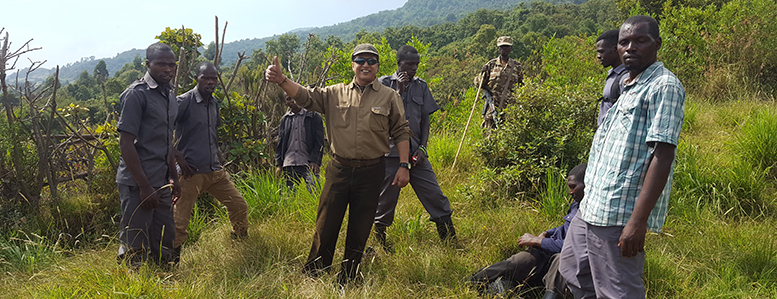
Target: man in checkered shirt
(629,173)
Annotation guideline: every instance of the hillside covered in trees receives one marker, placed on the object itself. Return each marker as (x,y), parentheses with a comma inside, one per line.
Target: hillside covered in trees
(413,12)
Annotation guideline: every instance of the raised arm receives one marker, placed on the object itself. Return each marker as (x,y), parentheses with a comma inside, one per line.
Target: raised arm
(274,74)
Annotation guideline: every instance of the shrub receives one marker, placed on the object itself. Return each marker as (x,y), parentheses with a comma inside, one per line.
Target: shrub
(546,129)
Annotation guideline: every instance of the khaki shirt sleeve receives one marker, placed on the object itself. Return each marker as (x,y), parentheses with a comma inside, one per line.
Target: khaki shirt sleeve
(399,126)
(313,99)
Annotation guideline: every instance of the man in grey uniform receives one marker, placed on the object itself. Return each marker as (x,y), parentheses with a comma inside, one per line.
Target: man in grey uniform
(607,54)
(418,104)
(146,123)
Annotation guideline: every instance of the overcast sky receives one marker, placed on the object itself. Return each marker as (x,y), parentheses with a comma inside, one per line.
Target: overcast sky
(70,30)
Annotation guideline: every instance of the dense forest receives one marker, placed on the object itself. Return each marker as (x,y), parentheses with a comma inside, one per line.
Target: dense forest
(59,153)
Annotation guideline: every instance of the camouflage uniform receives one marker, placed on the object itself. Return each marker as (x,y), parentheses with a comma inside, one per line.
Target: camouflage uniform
(498,85)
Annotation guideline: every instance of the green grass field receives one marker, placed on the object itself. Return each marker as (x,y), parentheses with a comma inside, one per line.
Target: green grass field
(718,242)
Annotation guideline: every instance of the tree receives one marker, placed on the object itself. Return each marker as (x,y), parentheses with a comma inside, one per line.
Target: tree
(100,71)
(483,43)
(210,51)
(184,43)
(284,47)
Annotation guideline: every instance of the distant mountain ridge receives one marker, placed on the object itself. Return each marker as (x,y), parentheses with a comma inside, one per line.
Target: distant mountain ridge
(413,12)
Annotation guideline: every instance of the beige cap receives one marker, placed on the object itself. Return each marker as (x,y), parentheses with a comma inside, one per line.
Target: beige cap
(365,48)
(504,40)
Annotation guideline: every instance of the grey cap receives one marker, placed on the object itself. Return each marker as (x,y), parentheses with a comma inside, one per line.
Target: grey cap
(365,48)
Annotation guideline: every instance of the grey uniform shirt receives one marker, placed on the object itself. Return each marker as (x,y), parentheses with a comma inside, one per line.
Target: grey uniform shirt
(418,101)
(297,152)
(198,122)
(148,112)
(611,91)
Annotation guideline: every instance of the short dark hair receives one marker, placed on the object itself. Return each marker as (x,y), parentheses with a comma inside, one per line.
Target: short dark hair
(202,66)
(405,52)
(610,37)
(578,172)
(651,22)
(153,51)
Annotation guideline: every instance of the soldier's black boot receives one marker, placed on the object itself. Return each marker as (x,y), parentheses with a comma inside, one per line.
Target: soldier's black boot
(381,236)
(445,228)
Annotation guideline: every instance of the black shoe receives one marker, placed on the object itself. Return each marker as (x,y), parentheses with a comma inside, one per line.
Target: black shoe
(381,236)
(445,228)
(176,255)
(134,259)
(238,236)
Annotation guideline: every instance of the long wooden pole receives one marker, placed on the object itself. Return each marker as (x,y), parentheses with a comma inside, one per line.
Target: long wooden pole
(477,96)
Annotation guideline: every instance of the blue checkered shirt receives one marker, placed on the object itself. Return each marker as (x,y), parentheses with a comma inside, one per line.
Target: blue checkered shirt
(649,110)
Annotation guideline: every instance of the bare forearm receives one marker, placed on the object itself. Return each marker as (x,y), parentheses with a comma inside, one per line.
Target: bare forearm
(655,181)
(424,129)
(291,88)
(403,148)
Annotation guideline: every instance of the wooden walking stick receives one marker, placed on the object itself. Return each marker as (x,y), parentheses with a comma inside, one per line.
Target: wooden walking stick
(477,96)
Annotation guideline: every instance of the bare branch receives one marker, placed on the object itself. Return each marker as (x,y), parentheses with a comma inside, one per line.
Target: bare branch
(218,53)
(223,35)
(303,59)
(181,59)
(240,57)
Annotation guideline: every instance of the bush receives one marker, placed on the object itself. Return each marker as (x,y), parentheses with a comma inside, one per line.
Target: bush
(545,130)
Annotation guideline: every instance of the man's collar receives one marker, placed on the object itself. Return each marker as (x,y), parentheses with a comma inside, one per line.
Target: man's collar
(301,112)
(150,81)
(374,84)
(198,95)
(646,74)
(618,69)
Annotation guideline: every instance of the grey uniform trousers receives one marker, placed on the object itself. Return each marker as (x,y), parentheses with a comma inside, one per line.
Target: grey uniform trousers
(144,231)
(424,184)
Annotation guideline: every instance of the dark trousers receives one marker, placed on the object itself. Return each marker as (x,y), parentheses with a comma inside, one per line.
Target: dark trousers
(356,189)
(532,268)
(146,232)
(297,174)
(424,184)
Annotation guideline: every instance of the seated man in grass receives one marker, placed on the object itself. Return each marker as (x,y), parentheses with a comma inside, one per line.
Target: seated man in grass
(538,264)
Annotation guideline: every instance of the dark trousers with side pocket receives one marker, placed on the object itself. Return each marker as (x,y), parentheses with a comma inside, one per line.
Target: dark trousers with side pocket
(146,232)
(357,190)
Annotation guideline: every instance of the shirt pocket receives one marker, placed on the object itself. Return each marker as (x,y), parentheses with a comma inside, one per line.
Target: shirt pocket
(414,108)
(625,113)
(340,120)
(379,120)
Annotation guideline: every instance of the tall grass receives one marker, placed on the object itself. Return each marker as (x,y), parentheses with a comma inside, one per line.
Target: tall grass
(27,253)
(554,198)
(757,142)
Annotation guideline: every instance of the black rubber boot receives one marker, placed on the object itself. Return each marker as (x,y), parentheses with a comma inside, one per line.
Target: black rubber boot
(381,236)
(445,228)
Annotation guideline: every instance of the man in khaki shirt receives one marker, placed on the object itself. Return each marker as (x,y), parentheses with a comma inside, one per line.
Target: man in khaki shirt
(360,118)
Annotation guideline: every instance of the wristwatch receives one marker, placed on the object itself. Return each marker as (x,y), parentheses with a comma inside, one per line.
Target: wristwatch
(404,165)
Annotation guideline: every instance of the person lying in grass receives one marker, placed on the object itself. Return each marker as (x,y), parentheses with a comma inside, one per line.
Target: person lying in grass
(538,264)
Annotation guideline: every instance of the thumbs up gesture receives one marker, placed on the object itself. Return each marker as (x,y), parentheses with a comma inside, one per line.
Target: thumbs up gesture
(274,72)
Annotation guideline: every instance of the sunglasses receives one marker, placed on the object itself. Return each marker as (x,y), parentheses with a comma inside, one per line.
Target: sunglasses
(361,61)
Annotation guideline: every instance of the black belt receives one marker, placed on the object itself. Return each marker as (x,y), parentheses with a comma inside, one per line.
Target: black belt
(355,162)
